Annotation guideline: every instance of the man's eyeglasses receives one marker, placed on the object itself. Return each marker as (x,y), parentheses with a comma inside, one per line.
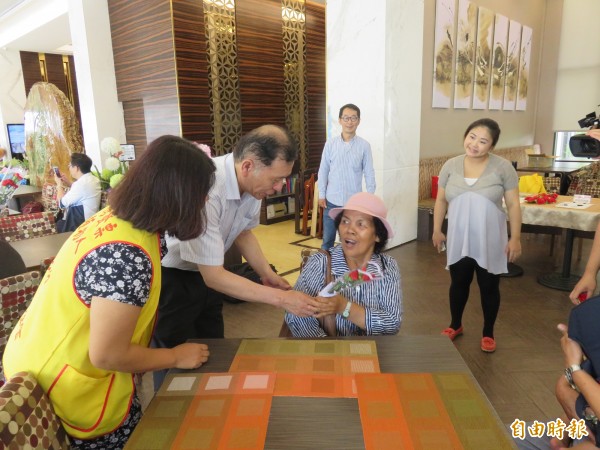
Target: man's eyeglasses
(350,119)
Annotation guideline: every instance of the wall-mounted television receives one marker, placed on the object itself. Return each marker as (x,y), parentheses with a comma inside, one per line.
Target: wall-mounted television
(16,139)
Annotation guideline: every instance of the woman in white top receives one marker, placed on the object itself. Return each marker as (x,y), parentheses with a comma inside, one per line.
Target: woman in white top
(471,189)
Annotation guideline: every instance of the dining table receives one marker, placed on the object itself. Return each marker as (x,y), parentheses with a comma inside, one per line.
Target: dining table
(563,168)
(36,249)
(575,219)
(359,392)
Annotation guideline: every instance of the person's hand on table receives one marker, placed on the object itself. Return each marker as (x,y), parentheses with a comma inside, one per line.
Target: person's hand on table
(585,285)
(190,355)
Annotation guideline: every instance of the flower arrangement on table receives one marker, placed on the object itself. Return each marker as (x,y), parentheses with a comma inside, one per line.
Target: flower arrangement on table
(352,279)
(11,177)
(114,168)
(541,199)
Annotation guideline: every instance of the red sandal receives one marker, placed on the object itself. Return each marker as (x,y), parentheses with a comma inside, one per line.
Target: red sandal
(452,333)
(488,345)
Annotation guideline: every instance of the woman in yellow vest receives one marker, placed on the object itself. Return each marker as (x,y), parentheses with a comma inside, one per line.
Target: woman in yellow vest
(87,329)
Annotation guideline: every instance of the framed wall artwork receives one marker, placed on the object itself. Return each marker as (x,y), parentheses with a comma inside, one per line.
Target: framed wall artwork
(523,83)
(512,65)
(483,58)
(498,62)
(443,53)
(465,53)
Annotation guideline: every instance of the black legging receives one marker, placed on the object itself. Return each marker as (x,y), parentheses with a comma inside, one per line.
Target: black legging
(461,273)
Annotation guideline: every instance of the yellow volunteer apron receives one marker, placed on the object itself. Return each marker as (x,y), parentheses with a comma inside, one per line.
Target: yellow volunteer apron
(51,340)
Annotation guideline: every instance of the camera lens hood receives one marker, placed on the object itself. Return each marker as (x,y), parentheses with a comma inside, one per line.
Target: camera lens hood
(583,146)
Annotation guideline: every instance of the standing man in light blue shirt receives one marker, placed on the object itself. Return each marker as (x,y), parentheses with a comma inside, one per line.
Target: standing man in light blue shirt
(346,158)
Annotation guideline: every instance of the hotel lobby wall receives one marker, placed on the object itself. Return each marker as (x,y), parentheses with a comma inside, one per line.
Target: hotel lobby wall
(162,70)
(442,128)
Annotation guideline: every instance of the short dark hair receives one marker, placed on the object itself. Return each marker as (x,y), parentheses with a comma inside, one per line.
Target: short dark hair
(267,143)
(166,189)
(490,124)
(350,106)
(380,231)
(82,161)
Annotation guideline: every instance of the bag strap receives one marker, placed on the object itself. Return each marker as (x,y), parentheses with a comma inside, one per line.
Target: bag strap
(328,322)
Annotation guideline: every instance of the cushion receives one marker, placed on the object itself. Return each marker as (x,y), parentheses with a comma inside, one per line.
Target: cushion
(25,226)
(16,294)
(27,419)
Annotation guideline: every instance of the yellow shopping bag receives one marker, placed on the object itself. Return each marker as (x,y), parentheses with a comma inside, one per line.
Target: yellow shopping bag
(531,184)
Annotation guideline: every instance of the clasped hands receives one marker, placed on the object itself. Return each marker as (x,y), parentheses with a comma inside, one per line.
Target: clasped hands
(329,305)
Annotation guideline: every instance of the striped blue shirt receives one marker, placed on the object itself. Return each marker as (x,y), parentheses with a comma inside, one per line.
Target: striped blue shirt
(343,165)
(382,299)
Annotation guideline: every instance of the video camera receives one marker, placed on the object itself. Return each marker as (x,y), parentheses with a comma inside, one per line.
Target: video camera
(583,146)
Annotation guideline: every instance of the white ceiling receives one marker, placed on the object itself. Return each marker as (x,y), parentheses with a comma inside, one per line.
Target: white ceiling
(7,5)
(48,38)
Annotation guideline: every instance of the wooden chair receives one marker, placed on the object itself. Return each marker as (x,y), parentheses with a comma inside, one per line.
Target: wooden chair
(25,226)
(16,294)
(309,192)
(28,418)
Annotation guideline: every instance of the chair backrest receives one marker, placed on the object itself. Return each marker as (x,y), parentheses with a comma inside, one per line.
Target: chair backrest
(25,226)
(49,198)
(586,181)
(28,419)
(16,294)
(552,185)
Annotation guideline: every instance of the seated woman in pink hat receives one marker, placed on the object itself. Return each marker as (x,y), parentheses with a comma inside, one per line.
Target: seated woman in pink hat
(369,308)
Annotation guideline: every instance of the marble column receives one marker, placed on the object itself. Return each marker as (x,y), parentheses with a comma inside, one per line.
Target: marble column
(101,112)
(12,92)
(374,60)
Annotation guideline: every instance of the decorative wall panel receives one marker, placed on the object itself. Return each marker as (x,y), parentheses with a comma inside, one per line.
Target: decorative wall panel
(465,53)
(133,112)
(443,54)
(192,70)
(512,65)
(294,73)
(258,24)
(57,69)
(499,62)
(211,70)
(30,63)
(315,82)
(223,79)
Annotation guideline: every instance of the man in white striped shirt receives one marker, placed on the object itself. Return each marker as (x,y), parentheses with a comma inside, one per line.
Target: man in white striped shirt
(193,276)
(346,158)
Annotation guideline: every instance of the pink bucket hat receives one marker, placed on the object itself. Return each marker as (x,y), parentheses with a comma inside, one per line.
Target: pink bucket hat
(367,203)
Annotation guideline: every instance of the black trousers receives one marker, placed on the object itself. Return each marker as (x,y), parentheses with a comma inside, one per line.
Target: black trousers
(187,309)
(461,274)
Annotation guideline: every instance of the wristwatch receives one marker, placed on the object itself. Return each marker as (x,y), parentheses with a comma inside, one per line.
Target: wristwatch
(346,312)
(569,375)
